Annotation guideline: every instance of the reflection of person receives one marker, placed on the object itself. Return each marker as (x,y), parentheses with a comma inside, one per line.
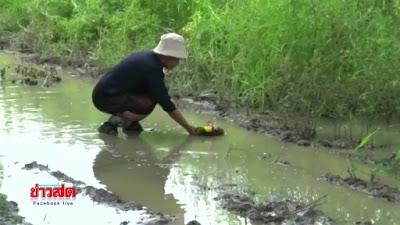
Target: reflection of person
(130,91)
(131,169)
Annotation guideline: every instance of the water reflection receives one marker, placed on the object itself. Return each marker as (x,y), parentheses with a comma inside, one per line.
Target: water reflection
(166,172)
(179,176)
(135,169)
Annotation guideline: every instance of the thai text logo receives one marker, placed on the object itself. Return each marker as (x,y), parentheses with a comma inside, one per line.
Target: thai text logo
(52,194)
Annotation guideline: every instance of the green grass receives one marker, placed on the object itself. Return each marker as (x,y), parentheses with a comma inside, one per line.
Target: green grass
(333,59)
(325,58)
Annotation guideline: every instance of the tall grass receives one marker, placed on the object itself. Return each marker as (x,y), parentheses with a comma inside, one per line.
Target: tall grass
(333,59)
(328,58)
(320,59)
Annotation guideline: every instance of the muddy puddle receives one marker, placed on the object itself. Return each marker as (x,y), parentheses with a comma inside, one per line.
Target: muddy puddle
(164,170)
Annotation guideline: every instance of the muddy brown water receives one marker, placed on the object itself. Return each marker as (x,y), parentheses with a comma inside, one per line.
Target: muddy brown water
(164,170)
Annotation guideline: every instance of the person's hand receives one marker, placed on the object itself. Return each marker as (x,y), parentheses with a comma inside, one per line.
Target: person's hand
(191,130)
(178,117)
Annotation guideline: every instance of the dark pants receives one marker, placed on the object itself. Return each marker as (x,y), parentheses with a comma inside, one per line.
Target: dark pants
(118,103)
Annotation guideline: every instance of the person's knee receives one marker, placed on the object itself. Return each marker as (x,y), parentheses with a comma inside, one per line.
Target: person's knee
(139,104)
(133,116)
(146,106)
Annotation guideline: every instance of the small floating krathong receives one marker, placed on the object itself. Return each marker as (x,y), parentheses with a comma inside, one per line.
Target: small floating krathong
(209,130)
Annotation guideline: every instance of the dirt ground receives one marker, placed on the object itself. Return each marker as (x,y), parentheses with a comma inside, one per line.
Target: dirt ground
(373,189)
(268,123)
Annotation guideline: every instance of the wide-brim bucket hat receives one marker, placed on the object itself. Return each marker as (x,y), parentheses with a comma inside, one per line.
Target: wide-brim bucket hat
(172,44)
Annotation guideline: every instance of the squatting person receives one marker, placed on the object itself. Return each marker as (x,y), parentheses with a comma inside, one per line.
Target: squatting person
(131,89)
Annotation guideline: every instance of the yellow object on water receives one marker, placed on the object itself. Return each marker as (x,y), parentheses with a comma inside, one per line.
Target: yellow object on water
(208,129)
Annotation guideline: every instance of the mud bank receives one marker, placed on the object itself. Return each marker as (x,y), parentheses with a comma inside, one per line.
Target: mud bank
(9,212)
(103,196)
(374,189)
(43,76)
(284,128)
(79,66)
(274,212)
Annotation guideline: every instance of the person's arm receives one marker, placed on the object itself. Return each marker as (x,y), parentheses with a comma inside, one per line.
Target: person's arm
(160,94)
(178,117)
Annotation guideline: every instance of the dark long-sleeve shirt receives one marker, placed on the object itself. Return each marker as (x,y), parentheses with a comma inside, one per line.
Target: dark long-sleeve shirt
(140,73)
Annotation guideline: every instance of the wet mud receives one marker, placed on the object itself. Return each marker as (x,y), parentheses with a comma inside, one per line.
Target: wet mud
(9,212)
(103,196)
(44,76)
(77,65)
(274,212)
(57,174)
(284,128)
(373,189)
(35,165)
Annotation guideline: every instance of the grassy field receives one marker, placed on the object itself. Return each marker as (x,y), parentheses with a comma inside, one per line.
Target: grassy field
(333,59)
